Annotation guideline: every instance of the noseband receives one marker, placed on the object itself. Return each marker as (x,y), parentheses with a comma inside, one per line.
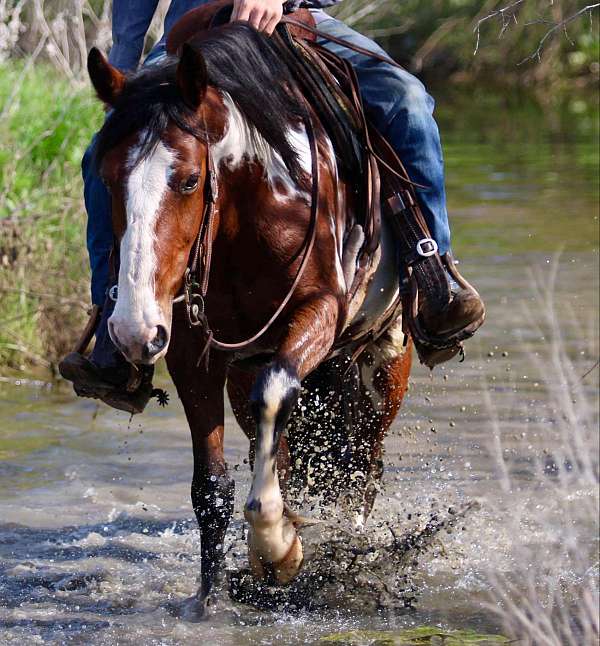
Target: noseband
(197,275)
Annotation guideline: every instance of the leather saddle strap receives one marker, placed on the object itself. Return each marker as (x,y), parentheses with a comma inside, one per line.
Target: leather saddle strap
(331,80)
(400,205)
(90,329)
(340,41)
(316,82)
(345,75)
(399,199)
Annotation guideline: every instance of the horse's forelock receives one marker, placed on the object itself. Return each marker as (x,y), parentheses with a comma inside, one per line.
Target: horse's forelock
(241,63)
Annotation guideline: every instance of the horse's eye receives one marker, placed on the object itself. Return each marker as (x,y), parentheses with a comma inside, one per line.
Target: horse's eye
(189,185)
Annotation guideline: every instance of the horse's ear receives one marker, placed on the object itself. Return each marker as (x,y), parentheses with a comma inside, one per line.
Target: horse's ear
(106,79)
(192,76)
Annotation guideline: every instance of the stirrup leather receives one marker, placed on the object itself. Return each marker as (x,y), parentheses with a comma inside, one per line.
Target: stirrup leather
(90,329)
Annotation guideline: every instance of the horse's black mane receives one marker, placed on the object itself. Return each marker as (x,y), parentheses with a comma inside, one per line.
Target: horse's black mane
(241,62)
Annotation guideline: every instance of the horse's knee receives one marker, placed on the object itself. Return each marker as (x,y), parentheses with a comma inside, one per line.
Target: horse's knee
(274,396)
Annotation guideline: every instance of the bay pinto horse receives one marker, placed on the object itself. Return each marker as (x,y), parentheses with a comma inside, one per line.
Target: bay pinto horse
(227,104)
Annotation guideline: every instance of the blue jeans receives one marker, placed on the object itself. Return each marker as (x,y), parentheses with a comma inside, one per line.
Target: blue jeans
(130,22)
(396,102)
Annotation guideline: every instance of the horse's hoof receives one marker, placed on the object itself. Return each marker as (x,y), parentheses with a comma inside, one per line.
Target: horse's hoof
(287,569)
(282,572)
(192,609)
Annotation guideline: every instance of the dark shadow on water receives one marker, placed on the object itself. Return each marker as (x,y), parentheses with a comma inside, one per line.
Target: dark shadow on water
(14,533)
(49,629)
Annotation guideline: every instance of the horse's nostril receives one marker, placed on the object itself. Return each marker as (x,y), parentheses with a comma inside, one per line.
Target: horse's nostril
(161,338)
(159,341)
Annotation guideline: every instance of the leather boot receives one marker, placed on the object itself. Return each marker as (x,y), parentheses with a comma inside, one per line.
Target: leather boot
(455,321)
(118,384)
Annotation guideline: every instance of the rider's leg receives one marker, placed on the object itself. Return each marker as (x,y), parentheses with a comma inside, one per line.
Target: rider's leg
(100,240)
(402,110)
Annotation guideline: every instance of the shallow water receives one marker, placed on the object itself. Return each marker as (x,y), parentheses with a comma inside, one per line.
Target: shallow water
(96,529)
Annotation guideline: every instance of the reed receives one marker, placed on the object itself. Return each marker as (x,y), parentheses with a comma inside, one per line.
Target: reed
(550,598)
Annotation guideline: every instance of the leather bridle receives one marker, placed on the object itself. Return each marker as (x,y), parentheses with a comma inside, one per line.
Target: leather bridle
(197,275)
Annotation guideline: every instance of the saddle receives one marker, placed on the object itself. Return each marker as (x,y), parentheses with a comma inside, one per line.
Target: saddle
(365,158)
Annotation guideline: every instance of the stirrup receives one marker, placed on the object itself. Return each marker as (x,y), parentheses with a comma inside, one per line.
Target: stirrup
(90,329)
(431,349)
(95,314)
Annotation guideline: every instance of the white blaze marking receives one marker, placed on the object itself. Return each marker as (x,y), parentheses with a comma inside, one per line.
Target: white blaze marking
(148,181)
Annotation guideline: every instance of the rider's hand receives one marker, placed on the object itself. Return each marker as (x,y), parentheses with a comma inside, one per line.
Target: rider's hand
(263,15)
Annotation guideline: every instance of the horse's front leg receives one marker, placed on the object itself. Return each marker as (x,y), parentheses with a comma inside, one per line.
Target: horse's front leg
(275,550)
(202,395)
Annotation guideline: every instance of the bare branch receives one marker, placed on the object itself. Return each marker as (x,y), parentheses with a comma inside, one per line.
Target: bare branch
(509,14)
(562,25)
(506,14)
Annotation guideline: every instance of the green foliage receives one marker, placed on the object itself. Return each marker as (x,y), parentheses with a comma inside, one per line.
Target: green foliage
(44,132)
(45,128)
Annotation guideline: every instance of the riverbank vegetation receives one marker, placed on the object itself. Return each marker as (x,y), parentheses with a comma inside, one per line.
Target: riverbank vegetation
(522,42)
(44,128)
(548,42)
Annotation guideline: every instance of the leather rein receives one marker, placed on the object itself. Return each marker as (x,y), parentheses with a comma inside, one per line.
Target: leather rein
(286,20)
(197,275)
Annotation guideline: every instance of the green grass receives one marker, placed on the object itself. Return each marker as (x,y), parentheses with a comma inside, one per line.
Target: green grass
(45,127)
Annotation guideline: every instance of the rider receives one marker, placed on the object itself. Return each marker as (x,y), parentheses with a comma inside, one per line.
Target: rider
(396,102)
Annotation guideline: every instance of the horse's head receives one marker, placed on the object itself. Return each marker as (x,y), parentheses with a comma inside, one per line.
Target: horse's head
(151,154)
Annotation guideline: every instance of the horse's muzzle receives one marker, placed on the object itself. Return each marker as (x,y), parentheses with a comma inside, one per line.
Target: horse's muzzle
(139,344)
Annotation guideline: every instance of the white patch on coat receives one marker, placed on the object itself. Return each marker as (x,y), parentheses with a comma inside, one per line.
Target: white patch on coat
(265,483)
(385,350)
(391,344)
(384,284)
(277,387)
(335,225)
(136,312)
(243,143)
(339,223)
(339,270)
